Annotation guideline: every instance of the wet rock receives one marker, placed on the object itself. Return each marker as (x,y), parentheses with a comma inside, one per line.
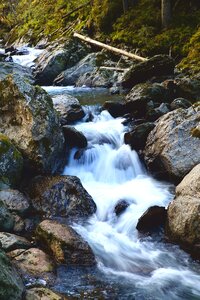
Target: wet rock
(154,113)
(73,137)
(6,219)
(15,201)
(188,88)
(152,219)
(183,222)
(41,293)
(62,196)
(11,285)
(11,242)
(121,207)
(69,108)
(19,224)
(116,109)
(144,96)
(29,120)
(158,65)
(71,75)
(138,136)
(171,150)
(57,58)
(33,262)
(66,245)
(11,163)
(17,71)
(180,103)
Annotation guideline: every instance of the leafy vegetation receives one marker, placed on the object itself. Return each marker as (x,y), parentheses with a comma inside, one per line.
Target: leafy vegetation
(139,28)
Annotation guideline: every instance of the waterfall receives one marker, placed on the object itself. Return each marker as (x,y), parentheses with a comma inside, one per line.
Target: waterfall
(111,172)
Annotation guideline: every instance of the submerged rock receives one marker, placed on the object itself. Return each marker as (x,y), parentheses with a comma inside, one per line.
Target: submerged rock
(11,285)
(183,221)
(121,207)
(69,108)
(158,65)
(29,120)
(66,245)
(152,219)
(11,163)
(172,150)
(62,196)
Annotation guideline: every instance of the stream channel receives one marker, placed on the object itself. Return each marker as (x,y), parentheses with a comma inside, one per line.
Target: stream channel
(129,265)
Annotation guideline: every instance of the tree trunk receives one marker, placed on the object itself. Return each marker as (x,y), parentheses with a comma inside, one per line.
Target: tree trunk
(166,13)
(110,48)
(125,5)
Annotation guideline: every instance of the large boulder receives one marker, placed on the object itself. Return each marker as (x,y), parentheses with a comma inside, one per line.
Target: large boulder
(57,58)
(11,286)
(62,196)
(66,245)
(69,108)
(158,65)
(11,163)
(173,147)
(28,118)
(183,220)
(71,75)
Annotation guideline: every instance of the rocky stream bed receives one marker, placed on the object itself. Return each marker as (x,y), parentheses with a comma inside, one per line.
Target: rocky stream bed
(99,177)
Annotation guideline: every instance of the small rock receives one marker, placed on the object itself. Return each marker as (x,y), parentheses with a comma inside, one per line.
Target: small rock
(116,109)
(15,201)
(34,262)
(6,219)
(138,136)
(74,138)
(180,103)
(66,245)
(19,225)
(12,241)
(121,207)
(41,293)
(68,108)
(153,217)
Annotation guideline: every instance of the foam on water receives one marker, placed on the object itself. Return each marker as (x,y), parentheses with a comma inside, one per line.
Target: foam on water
(111,172)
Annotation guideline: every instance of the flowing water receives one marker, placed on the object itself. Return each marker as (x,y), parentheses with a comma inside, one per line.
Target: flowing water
(129,265)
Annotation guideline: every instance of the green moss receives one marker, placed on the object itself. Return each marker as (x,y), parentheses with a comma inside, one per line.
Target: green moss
(5,144)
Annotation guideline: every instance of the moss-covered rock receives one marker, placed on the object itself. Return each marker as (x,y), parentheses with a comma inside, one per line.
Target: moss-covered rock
(11,286)
(29,120)
(11,162)
(66,245)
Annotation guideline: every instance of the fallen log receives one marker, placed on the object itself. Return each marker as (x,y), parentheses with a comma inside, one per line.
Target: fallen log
(110,48)
(113,69)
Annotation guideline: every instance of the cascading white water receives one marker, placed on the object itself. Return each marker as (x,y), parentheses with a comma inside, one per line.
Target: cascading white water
(111,172)
(146,268)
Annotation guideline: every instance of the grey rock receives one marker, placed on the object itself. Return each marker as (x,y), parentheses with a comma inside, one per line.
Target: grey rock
(15,201)
(62,196)
(172,147)
(11,242)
